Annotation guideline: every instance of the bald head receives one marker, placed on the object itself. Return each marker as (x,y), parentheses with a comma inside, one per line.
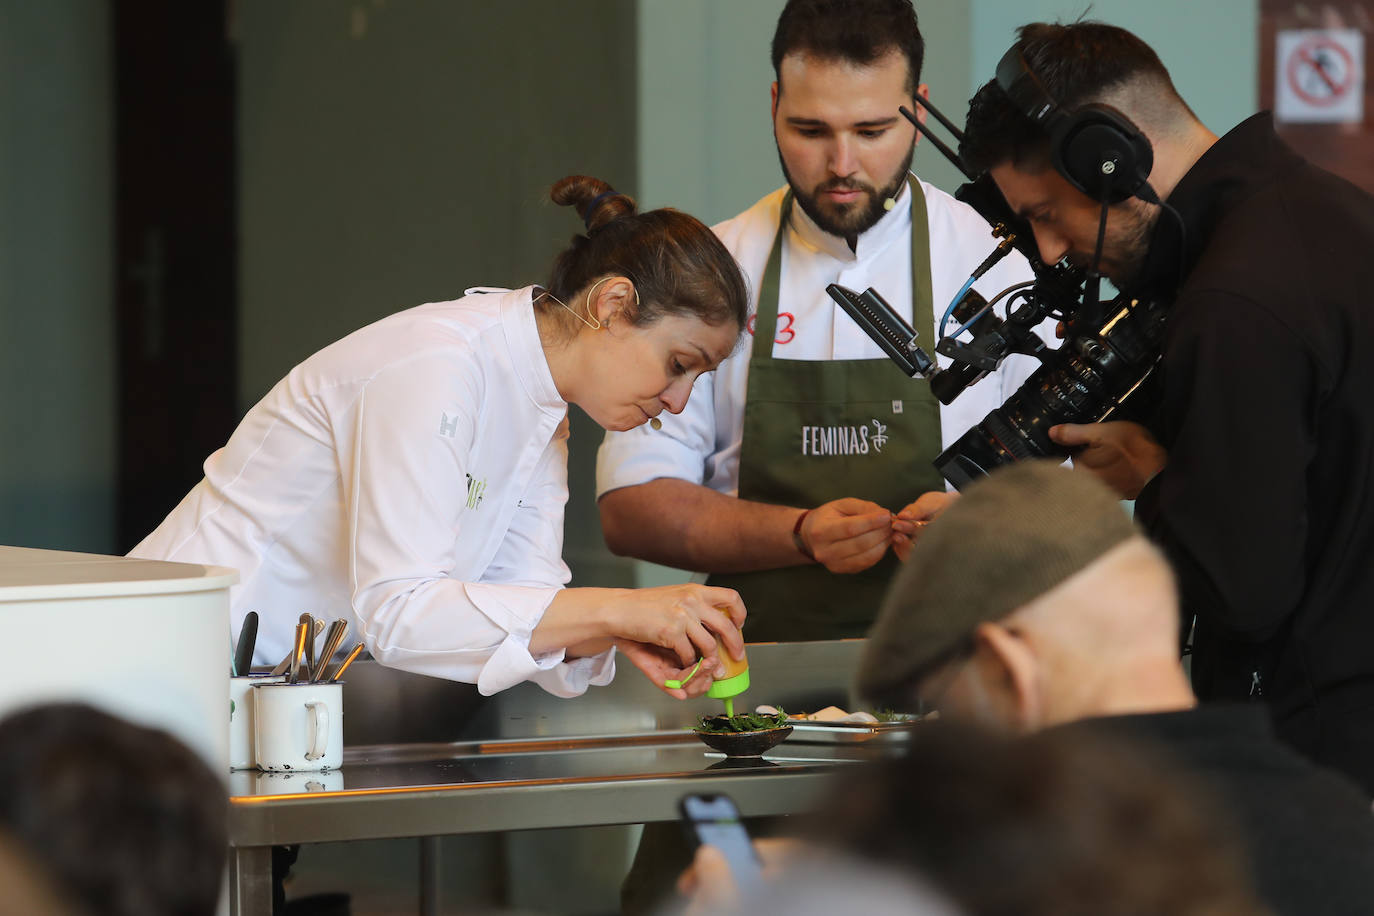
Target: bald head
(1121,604)
(1010,538)
(1105,641)
(1032,600)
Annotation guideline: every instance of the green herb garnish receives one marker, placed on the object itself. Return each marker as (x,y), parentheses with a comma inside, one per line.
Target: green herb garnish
(744,722)
(888,715)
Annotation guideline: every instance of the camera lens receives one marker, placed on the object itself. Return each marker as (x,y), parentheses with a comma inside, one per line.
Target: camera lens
(1082,382)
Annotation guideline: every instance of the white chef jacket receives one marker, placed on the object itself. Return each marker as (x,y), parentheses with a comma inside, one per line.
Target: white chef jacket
(410,478)
(702,444)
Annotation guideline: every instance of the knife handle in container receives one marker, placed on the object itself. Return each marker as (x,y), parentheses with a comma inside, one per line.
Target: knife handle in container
(333,638)
(243,651)
(348,660)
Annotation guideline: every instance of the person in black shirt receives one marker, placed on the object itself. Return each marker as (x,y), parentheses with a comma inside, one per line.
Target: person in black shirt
(1254,468)
(1034,604)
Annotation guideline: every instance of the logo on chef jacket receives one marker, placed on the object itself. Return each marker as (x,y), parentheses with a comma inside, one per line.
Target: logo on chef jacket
(827,441)
(476,490)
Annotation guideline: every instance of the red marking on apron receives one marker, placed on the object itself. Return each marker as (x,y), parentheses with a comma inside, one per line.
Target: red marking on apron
(786,334)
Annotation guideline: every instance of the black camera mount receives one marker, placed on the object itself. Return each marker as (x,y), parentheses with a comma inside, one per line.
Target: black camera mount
(1108,352)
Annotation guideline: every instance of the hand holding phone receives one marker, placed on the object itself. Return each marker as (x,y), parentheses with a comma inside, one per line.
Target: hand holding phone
(715,821)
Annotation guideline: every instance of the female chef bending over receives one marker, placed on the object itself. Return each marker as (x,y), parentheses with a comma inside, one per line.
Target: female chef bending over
(411,477)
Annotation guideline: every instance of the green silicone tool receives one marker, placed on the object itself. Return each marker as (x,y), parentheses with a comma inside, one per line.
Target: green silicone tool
(675,684)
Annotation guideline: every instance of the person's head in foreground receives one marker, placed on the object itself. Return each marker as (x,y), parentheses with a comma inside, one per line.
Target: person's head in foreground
(984,823)
(1032,600)
(28,889)
(805,882)
(126,820)
(1052,824)
(637,307)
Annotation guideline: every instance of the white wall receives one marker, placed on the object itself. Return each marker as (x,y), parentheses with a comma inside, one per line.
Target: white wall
(1210,48)
(706,141)
(705,134)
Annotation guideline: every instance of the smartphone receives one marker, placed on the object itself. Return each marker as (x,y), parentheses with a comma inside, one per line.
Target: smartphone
(714,820)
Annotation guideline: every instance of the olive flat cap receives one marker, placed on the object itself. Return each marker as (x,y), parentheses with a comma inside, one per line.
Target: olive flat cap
(1008,539)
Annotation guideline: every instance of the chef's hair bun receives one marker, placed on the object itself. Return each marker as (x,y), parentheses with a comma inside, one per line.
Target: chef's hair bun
(676,263)
(596,201)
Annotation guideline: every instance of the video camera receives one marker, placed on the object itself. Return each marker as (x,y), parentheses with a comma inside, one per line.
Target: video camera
(1109,349)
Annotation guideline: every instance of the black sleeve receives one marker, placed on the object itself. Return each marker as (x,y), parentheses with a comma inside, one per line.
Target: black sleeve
(1229,508)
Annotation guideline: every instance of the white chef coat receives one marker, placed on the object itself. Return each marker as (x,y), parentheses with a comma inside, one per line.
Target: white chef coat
(410,478)
(702,444)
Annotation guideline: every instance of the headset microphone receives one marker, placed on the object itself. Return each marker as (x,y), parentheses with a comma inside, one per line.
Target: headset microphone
(890,202)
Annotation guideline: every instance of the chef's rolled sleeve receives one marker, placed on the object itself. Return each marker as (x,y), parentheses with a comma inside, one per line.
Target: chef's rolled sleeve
(627,459)
(493,648)
(571,678)
(517,611)
(512,664)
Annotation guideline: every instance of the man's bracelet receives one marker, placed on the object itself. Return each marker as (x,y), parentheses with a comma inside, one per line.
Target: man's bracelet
(797,537)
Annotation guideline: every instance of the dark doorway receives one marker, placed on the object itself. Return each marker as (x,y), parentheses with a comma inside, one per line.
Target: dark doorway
(176,250)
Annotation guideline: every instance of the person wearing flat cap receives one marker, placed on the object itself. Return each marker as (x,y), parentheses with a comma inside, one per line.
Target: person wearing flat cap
(1034,601)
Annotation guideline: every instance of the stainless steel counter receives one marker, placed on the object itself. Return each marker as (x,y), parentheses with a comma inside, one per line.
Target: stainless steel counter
(623,757)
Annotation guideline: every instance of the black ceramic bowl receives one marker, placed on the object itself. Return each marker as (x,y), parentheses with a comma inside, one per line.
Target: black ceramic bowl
(744,744)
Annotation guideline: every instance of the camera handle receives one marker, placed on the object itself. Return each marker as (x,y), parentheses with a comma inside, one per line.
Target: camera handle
(887,329)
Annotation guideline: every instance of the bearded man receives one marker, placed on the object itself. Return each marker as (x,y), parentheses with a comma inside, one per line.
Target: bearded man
(793,472)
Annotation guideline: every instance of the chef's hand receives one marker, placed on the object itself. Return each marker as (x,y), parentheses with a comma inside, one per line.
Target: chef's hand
(847,535)
(911,521)
(709,885)
(1123,454)
(684,619)
(661,665)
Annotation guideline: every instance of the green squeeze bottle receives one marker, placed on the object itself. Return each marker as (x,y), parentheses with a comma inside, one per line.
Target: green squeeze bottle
(735,681)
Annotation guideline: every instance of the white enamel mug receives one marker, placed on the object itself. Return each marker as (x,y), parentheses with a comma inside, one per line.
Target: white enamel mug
(241,717)
(298,726)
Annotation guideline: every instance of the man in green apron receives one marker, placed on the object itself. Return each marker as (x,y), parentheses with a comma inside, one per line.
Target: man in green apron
(783,475)
(795,470)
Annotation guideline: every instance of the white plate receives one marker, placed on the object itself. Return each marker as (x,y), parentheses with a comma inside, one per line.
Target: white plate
(848,732)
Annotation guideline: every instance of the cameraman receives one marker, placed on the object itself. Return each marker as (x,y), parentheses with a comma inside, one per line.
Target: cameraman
(1256,472)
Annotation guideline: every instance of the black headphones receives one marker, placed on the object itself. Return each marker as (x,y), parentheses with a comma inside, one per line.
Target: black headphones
(1095,147)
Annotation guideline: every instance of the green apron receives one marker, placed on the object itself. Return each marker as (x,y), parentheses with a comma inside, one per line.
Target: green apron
(818,430)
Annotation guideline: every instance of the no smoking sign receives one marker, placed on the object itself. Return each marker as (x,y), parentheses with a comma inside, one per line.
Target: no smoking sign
(1319,76)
